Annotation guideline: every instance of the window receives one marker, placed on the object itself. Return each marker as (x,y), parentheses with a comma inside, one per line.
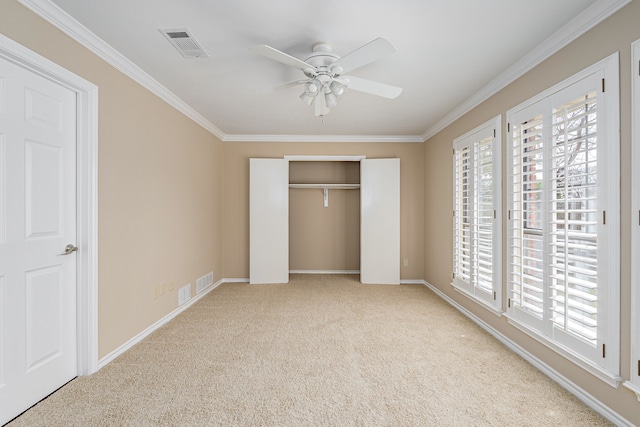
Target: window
(634,382)
(477,228)
(563,218)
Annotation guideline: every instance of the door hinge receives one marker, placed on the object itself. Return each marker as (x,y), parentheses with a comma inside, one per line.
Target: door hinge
(509,216)
(508,127)
(604,217)
(639,368)
(604,352)
(454,152)
(494,133)
(494,214)
(603,85)
(494,296)
(509,303)
(639,68)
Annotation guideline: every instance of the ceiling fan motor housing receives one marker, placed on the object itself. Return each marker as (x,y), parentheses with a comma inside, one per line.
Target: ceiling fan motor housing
(322,58)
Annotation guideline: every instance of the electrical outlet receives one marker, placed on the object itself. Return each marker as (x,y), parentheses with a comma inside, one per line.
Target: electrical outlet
(406,262)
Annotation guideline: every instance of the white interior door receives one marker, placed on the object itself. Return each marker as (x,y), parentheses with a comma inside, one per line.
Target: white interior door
(380,221)
(269,221)
(37,220)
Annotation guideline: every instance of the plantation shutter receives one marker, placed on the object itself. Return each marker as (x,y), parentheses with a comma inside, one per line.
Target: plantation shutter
(484,213)
(527,211)
(463,240)
(476,224)
(574,218)
(560,273)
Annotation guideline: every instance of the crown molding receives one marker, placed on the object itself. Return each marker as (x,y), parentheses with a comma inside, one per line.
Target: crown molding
(74,29)
(67,24)
(324,138)
(582,23)
(588,19)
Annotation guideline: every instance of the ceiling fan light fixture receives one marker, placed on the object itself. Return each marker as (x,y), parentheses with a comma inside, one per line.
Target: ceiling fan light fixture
(311,88)
(337,88)
(331,99)
(306,98)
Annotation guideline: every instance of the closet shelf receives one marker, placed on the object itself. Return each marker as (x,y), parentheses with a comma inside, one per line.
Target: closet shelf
(326,188)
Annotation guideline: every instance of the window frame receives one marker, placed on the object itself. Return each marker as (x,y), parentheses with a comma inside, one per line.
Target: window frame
(490,129)
(634,374)
(608,305)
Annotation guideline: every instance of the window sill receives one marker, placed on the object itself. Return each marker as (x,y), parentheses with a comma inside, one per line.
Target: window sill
(483,303)
(610,378)
(634,388)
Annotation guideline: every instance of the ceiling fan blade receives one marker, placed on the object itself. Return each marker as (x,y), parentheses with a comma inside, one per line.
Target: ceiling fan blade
(276,55)
(370,52)
(290,84)
(369,86)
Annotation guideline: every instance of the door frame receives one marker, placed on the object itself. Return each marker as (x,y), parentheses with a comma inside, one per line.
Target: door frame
(86,192)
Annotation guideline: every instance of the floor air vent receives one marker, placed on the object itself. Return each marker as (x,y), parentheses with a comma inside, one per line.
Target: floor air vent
(182,40)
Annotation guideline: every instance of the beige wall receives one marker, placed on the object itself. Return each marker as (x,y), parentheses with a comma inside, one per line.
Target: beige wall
(615,34)
(160,188)
(236,205)
(174,200)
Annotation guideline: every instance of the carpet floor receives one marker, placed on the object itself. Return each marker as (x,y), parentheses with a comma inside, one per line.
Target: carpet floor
(322,350)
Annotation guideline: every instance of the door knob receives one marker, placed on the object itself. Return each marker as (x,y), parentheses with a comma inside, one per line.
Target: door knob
(69,248)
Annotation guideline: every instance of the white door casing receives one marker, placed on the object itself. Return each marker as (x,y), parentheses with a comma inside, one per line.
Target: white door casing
(380,221)
(269,221)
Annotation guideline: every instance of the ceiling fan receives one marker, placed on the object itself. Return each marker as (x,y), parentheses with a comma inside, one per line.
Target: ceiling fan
(326,80)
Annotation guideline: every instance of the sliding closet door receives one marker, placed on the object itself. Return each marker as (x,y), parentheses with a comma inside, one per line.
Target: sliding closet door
(380,221)
(269,221)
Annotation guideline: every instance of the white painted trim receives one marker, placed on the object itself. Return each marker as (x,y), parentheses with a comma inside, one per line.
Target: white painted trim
(74,29)
(582,23)
(302,158)
(411,282)
(324,271)
(606,369)
(485,304)
(634,381)
(469,140)
(588,19)
(634,388)
(157,325)
(589,366)
(235,280)
(87,192)
(556,376)
(67,24)
(324,138)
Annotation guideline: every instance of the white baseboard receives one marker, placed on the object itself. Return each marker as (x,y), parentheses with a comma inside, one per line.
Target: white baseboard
(412,282)
(563,381)
(324,271)
(235,280)
(142,335)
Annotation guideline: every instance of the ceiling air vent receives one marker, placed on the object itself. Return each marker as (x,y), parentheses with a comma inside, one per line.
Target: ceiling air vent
(182,40)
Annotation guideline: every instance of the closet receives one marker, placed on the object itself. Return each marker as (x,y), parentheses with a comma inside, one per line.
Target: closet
(379,185)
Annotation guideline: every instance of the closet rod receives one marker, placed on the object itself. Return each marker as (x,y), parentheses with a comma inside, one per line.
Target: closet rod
(325,188)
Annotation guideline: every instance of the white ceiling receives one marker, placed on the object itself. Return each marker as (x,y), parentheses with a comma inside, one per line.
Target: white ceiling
(447,51)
